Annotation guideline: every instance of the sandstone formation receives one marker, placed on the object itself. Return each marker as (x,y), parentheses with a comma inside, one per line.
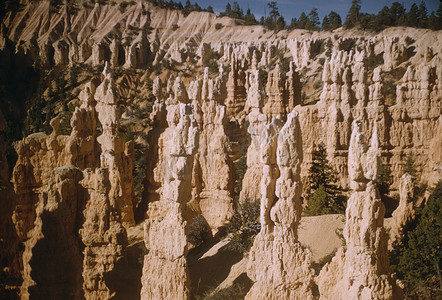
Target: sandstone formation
(122,40)
(278,265)
(165,273)
(116,154)
(52,258)
(273,99)
(103,236)
(216,201)
(404,213)
(45,203)
(212,176)
(361,269)
(256,120)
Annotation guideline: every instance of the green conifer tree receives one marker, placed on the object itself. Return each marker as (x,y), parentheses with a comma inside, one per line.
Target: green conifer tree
(325,24)
(326,196)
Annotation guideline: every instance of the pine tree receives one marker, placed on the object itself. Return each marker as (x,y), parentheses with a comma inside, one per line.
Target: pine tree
(325,24)
(321,173)
(353,14)
(274,13)
(280,24)
(434,23)
(383,181)
(422,15)
(396,13)
(237,12)
(409,167)
(335,20)
(411,18)
(228,10)
(302,20)
(313,20)
(187,8)
(318,203)
(294,23)
(249,18)
(196,7)
(322,177)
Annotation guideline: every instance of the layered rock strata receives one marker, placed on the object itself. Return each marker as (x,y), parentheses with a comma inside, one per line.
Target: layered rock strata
(361,269)
(67,37)
(404,128)
(278,265)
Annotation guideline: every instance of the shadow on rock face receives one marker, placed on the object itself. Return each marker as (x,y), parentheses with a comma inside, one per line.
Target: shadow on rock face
(208,272)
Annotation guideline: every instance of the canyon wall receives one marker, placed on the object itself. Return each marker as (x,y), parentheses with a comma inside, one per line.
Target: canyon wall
(237,112)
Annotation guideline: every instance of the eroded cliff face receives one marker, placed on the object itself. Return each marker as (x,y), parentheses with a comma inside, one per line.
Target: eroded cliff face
(361,269)
(278,265)
(351,88)
(79,204)
(237,112)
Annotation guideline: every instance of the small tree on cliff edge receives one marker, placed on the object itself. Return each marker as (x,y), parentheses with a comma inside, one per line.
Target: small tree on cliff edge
(326,196)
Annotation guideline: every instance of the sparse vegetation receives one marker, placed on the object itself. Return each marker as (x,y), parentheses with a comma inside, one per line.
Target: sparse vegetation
(417,259)
(235,292)
(374,60)
(395,15)
(244,226)
(409,166)
(384,180)
(409,40)
(211,61)
(198,231)
(241,169)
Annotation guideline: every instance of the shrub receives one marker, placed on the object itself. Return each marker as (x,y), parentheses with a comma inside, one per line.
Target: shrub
(329,48)
(409,40)
(240,168)
(175,27)
(236,291)
(244,226)
(409,166)
(211,61)
(198,231)
(218,26)
(374,60)
(384,179)
(318,203)
(123,6)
